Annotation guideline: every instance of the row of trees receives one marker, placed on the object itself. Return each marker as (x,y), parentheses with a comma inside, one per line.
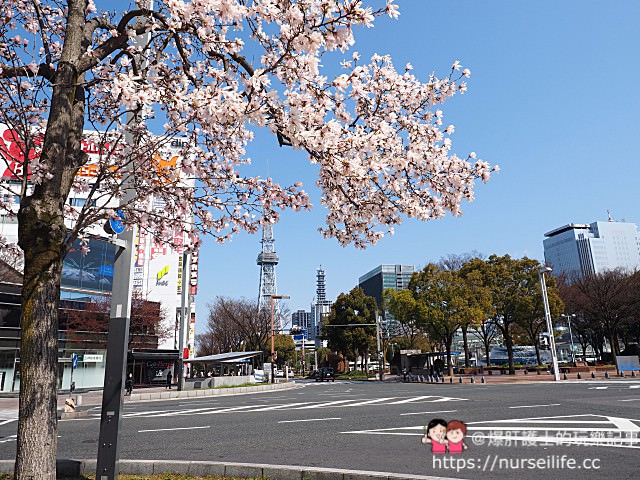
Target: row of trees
(605,307)
(483,297)
(235,325)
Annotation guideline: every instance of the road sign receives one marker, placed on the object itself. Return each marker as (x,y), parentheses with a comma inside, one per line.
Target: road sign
(74,360)
(116,225)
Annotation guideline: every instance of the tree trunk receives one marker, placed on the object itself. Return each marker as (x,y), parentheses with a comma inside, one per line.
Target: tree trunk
(41,236)
(487,350)
(449,341)
(538,358)
(509,344)
(467,352)
(612,342)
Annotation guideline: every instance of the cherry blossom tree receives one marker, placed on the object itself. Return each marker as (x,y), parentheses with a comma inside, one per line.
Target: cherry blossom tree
(211,72)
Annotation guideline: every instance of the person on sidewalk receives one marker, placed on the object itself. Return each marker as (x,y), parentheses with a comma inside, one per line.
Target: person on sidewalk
(169,380)
(129,384)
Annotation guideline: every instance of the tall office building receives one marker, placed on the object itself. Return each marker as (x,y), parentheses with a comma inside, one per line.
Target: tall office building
(576,250)
(320,307)
(302,319)
(375,282)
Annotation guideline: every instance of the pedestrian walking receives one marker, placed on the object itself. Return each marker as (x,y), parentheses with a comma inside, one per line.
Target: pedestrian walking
(129,384)
(169,380)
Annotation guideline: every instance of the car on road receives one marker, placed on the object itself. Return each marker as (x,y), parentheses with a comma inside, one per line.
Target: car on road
(325,373)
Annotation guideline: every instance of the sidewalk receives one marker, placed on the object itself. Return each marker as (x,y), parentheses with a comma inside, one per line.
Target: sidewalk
(520,377)
(9,404)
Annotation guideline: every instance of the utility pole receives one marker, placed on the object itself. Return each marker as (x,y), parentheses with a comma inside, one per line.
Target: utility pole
(273,350)
(547,315)
(119,320)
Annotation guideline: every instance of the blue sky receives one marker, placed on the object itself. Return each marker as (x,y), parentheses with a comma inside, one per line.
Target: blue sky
(552,99)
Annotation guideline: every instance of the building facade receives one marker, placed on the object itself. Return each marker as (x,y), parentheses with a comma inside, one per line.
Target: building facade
(577,250)
(158,274)
(301,319)
(385,276)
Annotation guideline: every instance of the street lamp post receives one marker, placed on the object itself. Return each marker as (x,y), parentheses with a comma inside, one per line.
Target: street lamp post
(273,350)
(547,314)
(573,350)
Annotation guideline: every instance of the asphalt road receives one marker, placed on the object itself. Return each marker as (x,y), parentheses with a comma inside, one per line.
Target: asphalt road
(515,431)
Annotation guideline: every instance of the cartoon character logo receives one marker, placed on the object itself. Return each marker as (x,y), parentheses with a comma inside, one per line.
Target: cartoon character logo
(435,434)
(445,437)
(456,430)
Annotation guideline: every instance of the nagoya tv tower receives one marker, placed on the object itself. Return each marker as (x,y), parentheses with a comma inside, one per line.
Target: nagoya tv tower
(268,261)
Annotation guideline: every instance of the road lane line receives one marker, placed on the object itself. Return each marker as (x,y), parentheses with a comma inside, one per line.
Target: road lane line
(412,399)
(424,413)
(326,404)
(369,402)
(171,429)
(631,400)
(534,406)
(310,420)
(278,407)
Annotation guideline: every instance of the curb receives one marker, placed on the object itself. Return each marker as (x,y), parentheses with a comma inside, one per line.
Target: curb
(170,395)
(74,468)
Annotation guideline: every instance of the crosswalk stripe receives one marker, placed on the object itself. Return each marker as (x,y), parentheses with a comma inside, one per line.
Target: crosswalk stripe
(351,402)
(278,407)
(369,402)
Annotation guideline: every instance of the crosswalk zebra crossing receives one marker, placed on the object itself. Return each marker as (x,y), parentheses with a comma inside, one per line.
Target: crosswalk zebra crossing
(289,406)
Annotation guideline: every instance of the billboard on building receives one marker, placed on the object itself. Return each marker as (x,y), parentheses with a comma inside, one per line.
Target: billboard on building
(92,271)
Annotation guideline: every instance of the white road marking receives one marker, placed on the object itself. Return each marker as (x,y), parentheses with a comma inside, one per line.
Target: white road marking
(426,413)
(258,406)
(414,399)
(279,407)
(634,386)
(621,432)
(309,420)
(534,406)
(631,400)
(320,405)
(4,422)
(171,429)
(598,388)
(10,438)
(376,400)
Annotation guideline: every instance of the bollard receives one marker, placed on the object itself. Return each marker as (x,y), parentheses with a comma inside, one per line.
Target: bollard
(442,379)
(526,372)
(606,374)
(460,379)
(593,374)
(633,373)
(622,373)
(473,379)
(451,379)
(564,377)
(579,377)
(482,379)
